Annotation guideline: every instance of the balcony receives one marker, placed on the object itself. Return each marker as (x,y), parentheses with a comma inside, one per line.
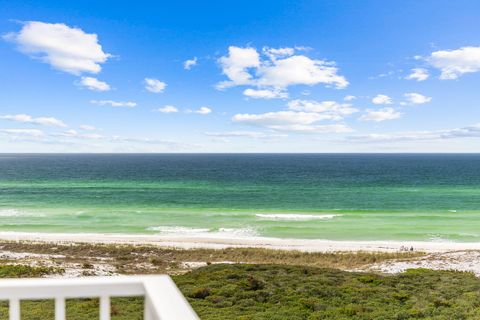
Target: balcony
(163,300)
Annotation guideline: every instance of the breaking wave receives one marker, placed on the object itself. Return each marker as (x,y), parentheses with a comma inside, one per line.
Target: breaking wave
(296,217)
(204,232)
(18,213)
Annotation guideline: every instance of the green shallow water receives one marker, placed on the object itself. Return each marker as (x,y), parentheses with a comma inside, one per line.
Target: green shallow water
(338,196)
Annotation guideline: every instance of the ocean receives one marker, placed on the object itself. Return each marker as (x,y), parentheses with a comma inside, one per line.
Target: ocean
(427,197)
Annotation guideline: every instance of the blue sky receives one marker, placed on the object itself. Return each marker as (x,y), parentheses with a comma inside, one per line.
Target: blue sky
(250,76)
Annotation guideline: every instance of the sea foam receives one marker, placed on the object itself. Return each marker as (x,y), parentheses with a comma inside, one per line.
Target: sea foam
(296,217)
(183,230)
(236,233)
(18,213)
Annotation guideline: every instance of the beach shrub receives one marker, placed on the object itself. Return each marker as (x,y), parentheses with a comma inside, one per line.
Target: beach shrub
(261,292)
(23,271)
(281,292)
(200,293)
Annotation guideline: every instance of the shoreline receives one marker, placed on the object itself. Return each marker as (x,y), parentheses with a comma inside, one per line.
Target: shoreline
(304,245)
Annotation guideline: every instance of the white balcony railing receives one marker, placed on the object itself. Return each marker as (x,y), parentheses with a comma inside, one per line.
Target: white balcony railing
(163,300)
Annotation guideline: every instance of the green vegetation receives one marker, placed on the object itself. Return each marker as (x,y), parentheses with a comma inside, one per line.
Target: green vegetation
(22,271)
(292,292)
(277,292)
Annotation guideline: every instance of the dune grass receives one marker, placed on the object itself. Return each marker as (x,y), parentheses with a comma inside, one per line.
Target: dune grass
(135,259)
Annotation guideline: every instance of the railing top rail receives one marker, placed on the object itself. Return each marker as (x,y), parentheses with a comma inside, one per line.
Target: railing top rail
(76,281)
(162,296)
(48,288)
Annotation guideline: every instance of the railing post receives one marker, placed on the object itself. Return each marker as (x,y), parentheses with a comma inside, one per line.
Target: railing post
(14,309)
(166,301)
(60,308)
(147,309)
(104,308)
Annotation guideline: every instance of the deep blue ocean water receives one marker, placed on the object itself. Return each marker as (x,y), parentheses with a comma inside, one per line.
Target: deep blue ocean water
(323,196)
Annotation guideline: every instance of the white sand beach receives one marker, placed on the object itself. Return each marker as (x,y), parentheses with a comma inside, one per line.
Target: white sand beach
(186,242)
(438,255)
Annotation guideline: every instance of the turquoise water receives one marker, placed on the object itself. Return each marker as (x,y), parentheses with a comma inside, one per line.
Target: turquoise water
(308,196)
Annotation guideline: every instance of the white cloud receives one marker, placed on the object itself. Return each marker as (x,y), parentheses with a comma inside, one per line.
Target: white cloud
(279,69)
(154,85)
(302,122)
(247,134)
(167,109)
(388,74)
(94,141)
(94,136)
(275,53)
(265,94)
(64,48)
(332,109)
(464,132)
(23,132)
(116,104)
(25,118)
(416,98)
(326,128)
(188,64)
(203,110)
(153,141)
(235,66)
(68,136)
(87,127)
(301,117)
(380,115)
(419,74)
(94,84)
(67,133)
(74,134)
(297,70)
(454,63)
(349,98)
(382,99)
(279,118)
